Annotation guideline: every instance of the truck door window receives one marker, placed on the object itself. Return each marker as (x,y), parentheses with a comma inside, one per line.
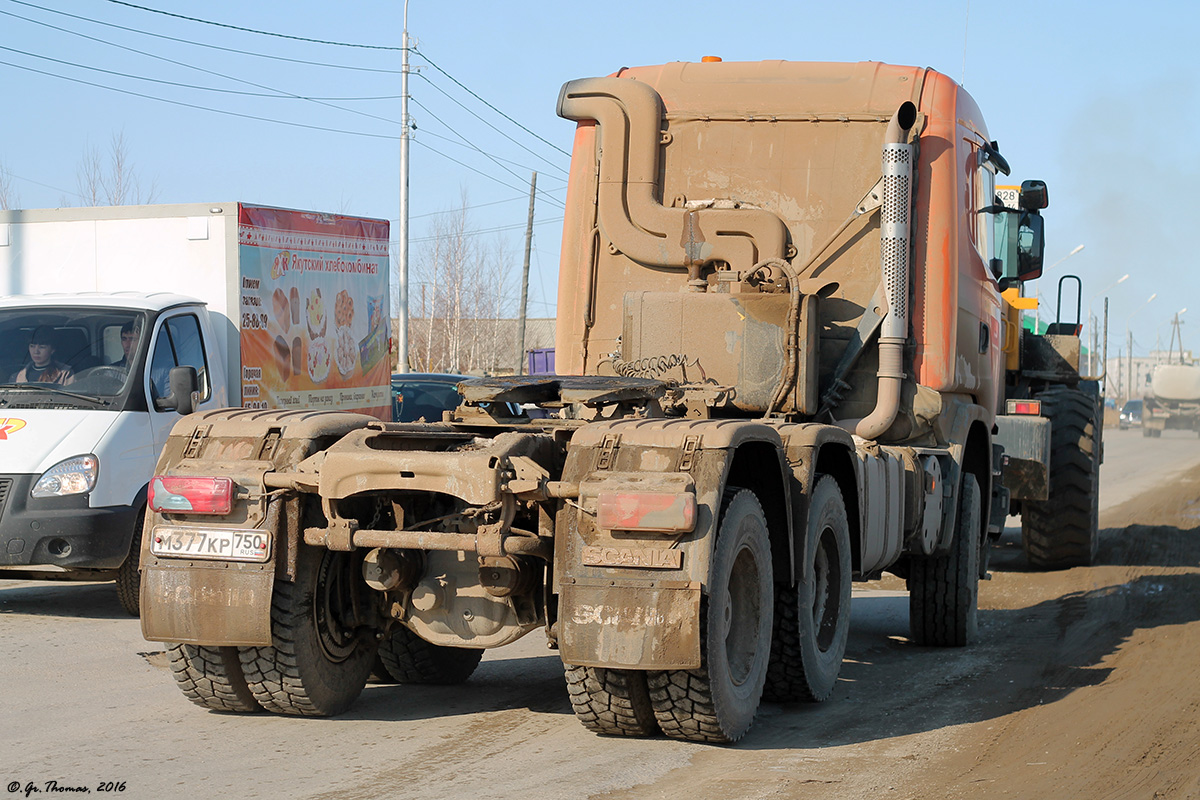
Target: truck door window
(179,344)
(984,196)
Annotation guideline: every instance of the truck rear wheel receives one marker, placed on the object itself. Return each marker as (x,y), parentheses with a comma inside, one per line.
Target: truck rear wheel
(717,702)
(322,656)
(943,591)
(211,677)
(1064,530)
(613,702)
(812,618)
(410,659)
(129,575)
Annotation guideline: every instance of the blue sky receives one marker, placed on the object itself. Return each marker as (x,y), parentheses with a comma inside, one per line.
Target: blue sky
(1098,99)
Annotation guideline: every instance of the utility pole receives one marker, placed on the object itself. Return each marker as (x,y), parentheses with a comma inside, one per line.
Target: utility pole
(1129,394)
(402,255)
(520,369)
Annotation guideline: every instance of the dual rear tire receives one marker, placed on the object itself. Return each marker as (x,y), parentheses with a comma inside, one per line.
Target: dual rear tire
(758,638)
(320,659)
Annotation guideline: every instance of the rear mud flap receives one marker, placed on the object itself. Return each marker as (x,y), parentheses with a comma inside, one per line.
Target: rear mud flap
(633,627)
(219,604)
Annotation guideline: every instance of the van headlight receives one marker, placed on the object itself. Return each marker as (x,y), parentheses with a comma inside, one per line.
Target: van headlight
(74,476)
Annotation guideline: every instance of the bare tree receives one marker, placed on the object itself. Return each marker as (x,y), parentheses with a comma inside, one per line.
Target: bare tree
(111,179)
(89,175)
(8,193)
(465,298)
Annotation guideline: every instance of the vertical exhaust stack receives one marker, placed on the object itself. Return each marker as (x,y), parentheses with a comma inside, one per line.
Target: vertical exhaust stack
(895,238)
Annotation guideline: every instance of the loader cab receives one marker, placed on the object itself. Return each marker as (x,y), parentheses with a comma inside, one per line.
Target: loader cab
(1019,234)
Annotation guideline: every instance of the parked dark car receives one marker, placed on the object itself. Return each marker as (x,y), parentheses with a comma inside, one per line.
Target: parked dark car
(1131,414)
(425,395)
(417,395)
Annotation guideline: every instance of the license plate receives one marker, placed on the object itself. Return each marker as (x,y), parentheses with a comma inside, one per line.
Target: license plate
(219,544)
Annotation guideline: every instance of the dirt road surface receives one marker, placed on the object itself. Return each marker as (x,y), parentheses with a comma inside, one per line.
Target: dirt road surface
(1086,685)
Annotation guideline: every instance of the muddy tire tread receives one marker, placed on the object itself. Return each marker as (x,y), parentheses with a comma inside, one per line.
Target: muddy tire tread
(211,677)
(410,659)
(789,680)
(611,702)
(942,609)
(273,672)
(685,703)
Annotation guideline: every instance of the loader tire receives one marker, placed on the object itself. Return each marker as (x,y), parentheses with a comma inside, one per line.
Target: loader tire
(718,701)
(322,657)
(943,591)
(380,672)
(410,659)
(611,702)
(212,677)
(129,574)
(812,618)
(1064,530)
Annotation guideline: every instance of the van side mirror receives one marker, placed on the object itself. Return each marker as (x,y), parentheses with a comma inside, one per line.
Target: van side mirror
(1031,246)
(185,390)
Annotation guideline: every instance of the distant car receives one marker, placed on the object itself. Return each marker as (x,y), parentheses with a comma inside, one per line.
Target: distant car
(417,395)
(1131,414)
(425,395)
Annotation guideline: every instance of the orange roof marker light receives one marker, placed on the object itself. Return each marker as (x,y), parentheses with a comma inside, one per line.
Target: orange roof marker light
(710,60)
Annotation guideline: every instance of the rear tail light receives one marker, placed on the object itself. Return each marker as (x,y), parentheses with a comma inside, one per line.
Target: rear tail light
(1031,407)
(646,511)
(172,493)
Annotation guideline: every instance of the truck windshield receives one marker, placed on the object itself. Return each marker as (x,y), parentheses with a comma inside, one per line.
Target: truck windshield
(69,352)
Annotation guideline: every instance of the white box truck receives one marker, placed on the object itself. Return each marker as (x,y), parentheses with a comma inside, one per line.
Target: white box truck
(114,321)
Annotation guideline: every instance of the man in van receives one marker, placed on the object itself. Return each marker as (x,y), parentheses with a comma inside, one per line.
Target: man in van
(129,337)
(43,369)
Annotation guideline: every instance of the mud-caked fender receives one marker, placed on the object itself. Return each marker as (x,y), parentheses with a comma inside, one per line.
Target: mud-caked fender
(217,602)
(632,599)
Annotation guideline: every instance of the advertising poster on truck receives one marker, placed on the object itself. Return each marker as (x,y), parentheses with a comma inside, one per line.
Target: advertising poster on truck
(313,311)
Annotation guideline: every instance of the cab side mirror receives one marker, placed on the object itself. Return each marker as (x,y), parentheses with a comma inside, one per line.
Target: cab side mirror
(1034,195)
(185,391)
(1031,245)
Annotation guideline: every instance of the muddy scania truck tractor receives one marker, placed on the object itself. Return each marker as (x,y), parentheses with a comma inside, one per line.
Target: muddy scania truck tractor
(781,352)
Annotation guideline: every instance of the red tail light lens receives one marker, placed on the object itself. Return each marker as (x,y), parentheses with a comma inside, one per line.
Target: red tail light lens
(1030,407)
(187,495)
(646,511)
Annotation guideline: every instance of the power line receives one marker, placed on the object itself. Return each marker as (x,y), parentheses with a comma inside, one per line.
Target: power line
(198,69)
(278,93)
(480,232)
(45,185)
(260,119)
(480,99)
(206,44)
(472,145)
(273,94)
(456,143)
(328,42)
(202,108)
(524,197)
(490,125)
(464,165)
(252,30)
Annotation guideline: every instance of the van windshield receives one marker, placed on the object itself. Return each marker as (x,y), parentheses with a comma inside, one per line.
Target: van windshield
(69,352)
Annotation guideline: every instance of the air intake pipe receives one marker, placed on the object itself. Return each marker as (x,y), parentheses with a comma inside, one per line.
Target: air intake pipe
(894,244)
(629,114)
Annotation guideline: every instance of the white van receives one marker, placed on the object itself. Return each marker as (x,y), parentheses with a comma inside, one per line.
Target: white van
(283,309)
